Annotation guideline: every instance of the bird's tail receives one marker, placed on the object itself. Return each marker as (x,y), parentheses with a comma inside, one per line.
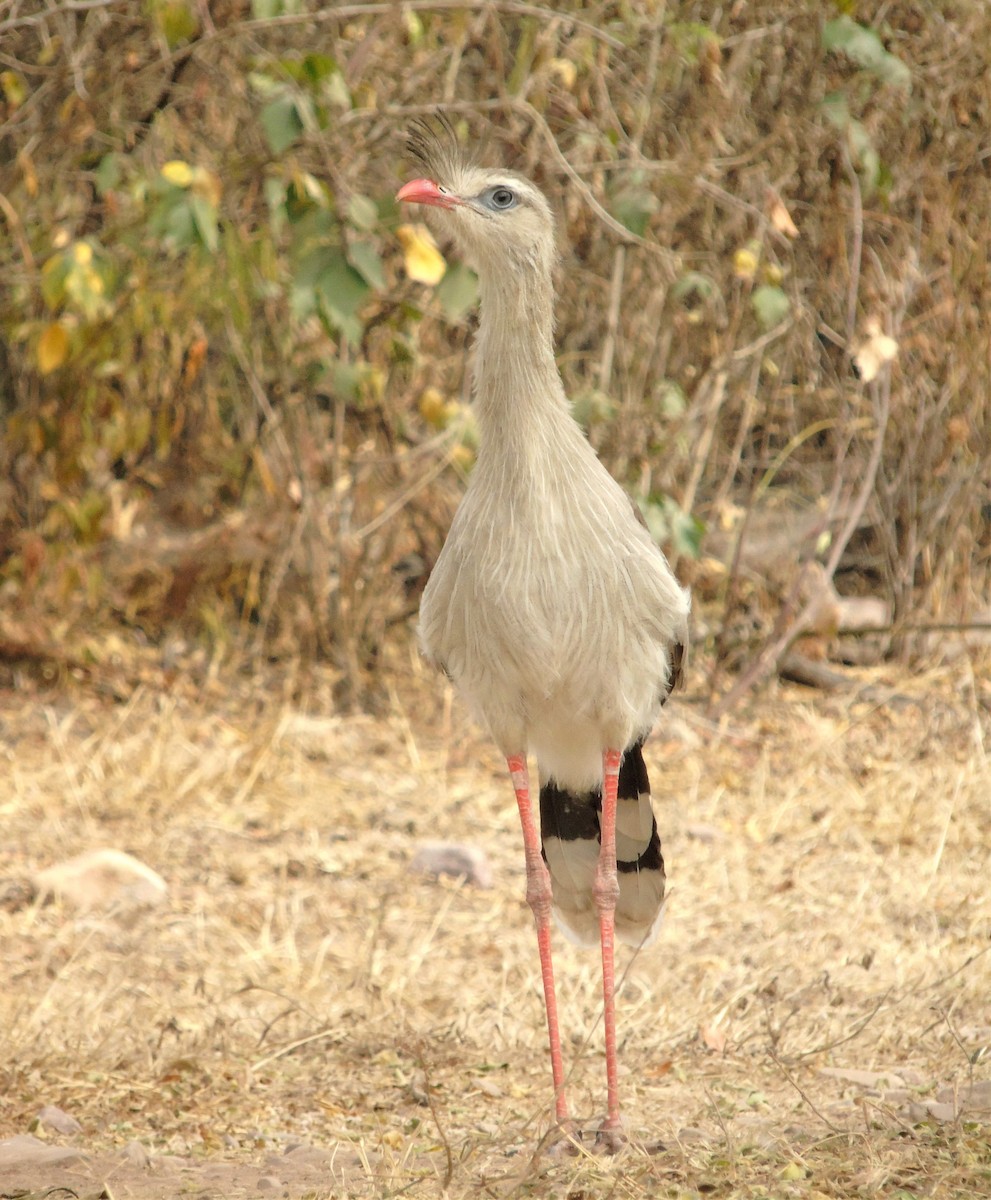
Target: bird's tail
(569,828)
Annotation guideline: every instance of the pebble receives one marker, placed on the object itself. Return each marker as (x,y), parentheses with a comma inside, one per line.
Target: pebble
(453,859)
(136,1154)
(54,1118)
(102,879)
(25,1150)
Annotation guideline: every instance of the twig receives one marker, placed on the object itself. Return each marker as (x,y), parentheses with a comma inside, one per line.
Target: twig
(801,1091)
(17,229)
(428,1093)
(62,6)
(848,1037)
(347,12)
(923,627)
(612,317)
(856,250)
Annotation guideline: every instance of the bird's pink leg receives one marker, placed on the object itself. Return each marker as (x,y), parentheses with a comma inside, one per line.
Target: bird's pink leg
(538,895)
(605,890)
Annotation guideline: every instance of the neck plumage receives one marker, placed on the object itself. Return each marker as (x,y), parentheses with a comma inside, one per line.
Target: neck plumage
(519,397)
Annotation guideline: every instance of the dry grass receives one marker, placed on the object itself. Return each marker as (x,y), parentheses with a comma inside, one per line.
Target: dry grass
(829,909)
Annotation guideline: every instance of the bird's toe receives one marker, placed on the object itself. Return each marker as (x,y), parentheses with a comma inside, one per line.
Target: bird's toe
(610,1137)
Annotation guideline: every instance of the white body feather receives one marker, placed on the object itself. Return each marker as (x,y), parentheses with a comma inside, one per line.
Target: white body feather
(550,606)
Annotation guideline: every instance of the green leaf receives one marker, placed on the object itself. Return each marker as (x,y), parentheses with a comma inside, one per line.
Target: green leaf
(634,204)
(863,47)
(670,398)
(457,292)
(53,276)
(362,212)
(667,521)
(865,155)
(770,305)
(592,407)
(282,123)
(367,261)
(836,109)
(177,21)
(204,216)
(264,10)
(340,292)
(107,174)
(346,379)
(336,92)
(694,285)
(317,67)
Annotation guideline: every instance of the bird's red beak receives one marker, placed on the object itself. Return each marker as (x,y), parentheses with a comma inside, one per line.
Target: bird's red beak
(425,191)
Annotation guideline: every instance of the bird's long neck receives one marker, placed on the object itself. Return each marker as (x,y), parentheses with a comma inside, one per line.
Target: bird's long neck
(519,397)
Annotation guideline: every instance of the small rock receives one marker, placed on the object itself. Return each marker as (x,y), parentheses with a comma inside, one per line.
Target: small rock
(100,879)
(23,1150)
(136,1154)
(453,859)
(268,1183)
(934,1110)
(689,1134)
(703,833)
(168,1164)
(56,1119)
(967,1097)
(300,1152)
(862,612)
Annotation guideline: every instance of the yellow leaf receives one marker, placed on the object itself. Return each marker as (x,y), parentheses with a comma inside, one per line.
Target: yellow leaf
(14,89)
(25,162)
(433,407)
(745,262)
(178,173)
(53,348)
(82,253)
(424,262)
(565,70)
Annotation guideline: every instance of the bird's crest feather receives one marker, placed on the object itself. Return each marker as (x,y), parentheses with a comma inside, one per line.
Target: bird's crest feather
(433,144)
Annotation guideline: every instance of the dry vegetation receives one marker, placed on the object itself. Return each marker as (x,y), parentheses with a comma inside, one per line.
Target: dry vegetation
(216,375)
(829,912)
(223,478)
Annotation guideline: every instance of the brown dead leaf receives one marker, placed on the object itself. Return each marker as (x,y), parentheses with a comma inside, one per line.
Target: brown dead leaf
(713,1037)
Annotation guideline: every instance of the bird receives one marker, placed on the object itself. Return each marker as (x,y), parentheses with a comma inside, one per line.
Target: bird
(550,606)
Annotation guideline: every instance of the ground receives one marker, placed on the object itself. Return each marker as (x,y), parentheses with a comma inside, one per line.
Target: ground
(304,1016)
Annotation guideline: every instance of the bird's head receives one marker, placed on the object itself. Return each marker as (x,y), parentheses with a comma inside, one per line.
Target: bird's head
(497,218)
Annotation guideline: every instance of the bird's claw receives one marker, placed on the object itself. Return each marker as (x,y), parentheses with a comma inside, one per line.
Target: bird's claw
(610,1137)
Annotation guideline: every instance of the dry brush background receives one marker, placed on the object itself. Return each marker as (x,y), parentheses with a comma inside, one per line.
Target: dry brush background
(234,432)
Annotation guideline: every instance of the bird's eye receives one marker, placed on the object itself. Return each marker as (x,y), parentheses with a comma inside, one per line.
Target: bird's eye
(499,198)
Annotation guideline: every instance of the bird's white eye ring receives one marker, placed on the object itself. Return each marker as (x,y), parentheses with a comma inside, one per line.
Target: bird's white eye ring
(499,198)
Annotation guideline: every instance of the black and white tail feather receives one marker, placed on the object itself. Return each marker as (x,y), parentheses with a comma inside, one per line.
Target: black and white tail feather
(569,829)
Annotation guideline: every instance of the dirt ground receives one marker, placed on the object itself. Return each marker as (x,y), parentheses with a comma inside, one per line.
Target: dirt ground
(304,1016)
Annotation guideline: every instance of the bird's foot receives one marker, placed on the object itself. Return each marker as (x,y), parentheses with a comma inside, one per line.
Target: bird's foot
(564,1139)
(610,1137)
(571,1138)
